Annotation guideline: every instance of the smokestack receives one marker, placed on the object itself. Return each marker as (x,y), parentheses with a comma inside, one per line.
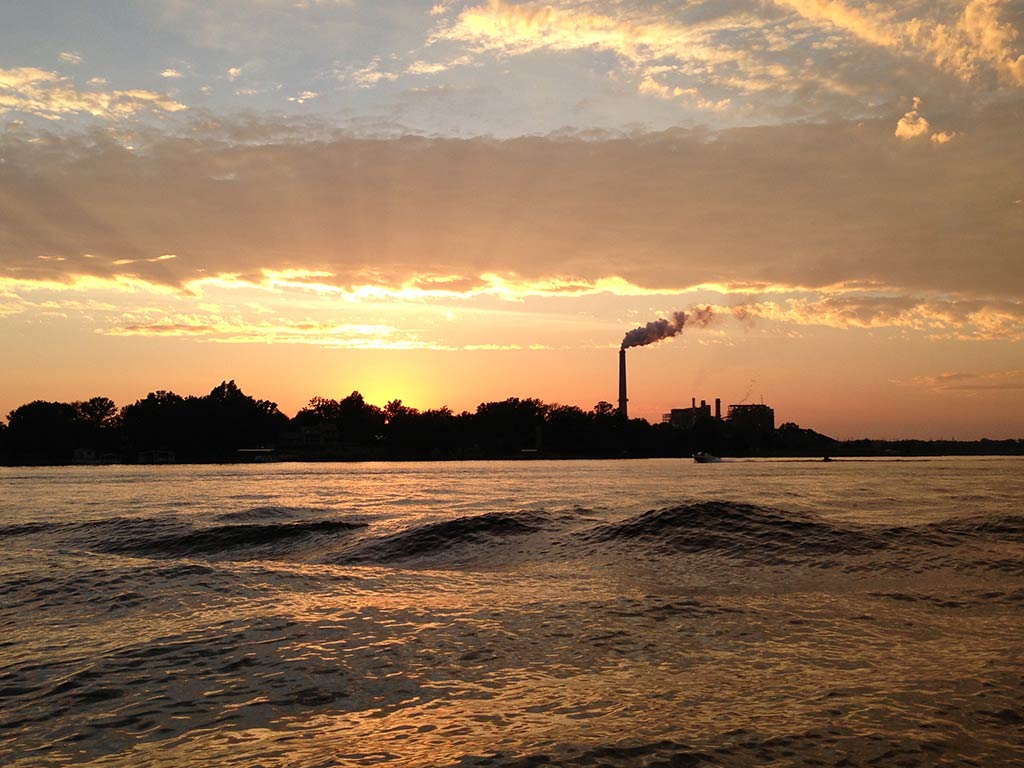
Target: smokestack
(718,408)
(693,403)
(622,384)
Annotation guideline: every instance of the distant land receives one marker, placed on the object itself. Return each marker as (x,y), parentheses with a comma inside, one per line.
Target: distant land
(227,425)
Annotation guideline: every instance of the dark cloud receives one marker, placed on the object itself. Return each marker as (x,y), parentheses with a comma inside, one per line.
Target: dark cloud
(809,205)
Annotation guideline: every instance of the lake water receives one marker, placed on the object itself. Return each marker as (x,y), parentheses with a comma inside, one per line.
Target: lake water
(619,613)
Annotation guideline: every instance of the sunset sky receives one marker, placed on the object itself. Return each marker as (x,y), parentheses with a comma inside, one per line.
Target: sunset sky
(455,202)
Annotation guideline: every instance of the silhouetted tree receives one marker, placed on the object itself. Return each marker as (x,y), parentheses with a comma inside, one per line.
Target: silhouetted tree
(43,431)
(435,433)
(160,421)
(791,438)
(319,409)
(358,421)
(395,410)
(568,429)
(210,427)
(506,427)
(99,412)
(231,419)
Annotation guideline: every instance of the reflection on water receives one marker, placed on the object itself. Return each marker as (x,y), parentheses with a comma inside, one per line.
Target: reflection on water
(514,614)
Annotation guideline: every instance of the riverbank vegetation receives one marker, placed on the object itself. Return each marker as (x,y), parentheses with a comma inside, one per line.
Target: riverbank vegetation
(229,425)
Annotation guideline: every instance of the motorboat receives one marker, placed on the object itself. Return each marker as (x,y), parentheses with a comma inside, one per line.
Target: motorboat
(705,458)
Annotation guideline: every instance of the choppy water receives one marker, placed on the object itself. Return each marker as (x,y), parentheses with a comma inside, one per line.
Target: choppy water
(654,613)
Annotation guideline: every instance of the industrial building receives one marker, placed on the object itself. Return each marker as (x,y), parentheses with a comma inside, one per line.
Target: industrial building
(685,418)
(756,417)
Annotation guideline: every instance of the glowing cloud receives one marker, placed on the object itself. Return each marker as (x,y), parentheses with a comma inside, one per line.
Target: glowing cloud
(979,39)
(644,45)
(49,95)
(869,24)
(912,124)
(962,319)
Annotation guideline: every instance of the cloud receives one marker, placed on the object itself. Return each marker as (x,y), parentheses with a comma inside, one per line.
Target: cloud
(47,94)
(171,73)
(912,124)
(217,329)
(795,205)
(649,85)
(233,73)
(869,24)
(370,75)
(980,37)
(420,67)
(972,382)
(944,137)
(154,260)
(304,96)
(713,50)
(937,317)
(70,58)
(967,46)
(789,57)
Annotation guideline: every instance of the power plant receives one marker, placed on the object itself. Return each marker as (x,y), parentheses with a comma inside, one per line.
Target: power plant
(748,416)
(754,416)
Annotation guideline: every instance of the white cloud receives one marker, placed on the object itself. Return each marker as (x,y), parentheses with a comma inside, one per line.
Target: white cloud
(912,125)
(49,95)
(70,58)
(944,137)
(370,75)
(304,96)
(171,73)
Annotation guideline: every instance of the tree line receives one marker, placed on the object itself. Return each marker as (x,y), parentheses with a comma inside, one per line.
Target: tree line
(229,425)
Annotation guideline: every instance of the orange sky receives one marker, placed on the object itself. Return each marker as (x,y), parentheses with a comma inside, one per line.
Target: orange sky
(457,202)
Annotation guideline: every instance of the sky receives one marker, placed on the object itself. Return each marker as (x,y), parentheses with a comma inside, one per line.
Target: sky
(456,202)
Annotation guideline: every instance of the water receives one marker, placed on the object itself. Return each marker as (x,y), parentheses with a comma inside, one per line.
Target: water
(641,613)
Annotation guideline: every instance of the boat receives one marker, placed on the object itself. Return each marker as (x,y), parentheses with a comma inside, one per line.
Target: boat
(705,458)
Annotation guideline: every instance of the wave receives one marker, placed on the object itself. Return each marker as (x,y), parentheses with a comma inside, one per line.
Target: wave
(1001,527)
(26,529)
(771,536)
(736,529)
(445,536)
(733,531)
(272,539)
(258,514)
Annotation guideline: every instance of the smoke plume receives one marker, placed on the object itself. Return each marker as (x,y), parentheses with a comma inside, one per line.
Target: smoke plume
(656,330)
